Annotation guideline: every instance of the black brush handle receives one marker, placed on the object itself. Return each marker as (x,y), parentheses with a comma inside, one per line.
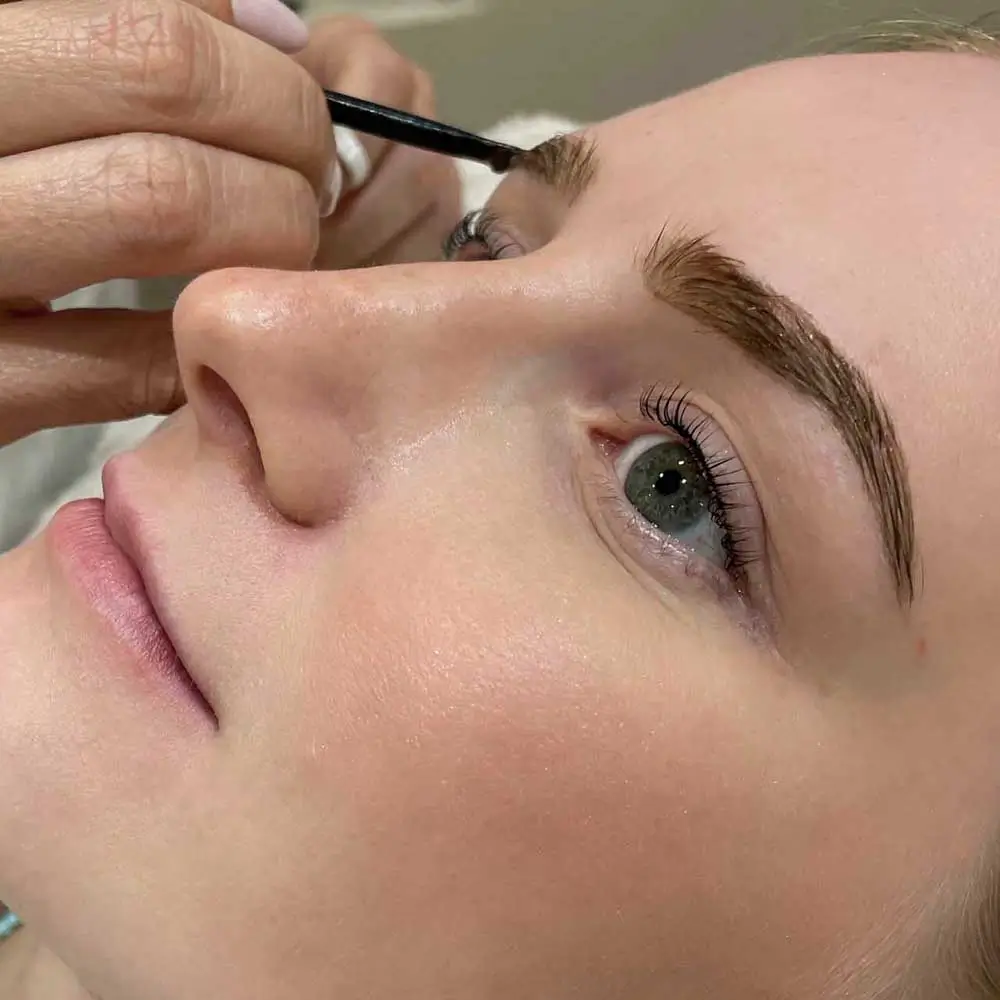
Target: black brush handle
(424,133)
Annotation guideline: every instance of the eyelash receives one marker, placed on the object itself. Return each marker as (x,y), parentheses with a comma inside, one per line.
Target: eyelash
(482,227)
(672,409)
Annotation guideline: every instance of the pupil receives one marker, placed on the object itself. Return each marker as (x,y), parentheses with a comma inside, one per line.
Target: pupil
(668,489)
(668,483)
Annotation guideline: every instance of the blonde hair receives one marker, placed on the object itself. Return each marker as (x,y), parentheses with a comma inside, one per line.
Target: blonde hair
(980,37)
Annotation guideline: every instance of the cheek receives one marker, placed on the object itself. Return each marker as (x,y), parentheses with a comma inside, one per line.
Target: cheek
(537,728)
(490,728)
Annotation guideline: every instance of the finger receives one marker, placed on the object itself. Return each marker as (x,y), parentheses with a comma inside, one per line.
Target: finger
(424,239)
(348,55)
(80,69)
(135,206)
(403,189)
(407,184)
(85,366)
(424,101)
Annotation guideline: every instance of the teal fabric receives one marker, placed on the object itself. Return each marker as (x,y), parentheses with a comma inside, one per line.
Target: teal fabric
(9,923)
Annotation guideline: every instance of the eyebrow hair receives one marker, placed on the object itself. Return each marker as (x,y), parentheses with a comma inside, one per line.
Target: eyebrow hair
(695,277)
(567,163)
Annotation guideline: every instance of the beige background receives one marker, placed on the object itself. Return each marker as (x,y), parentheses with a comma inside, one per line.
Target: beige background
(591,58)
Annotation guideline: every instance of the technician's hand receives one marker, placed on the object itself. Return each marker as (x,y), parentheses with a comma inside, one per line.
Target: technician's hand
(141,138)
(408,200)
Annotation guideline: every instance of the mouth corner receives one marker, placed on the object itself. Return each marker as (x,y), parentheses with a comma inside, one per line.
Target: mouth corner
(123,522)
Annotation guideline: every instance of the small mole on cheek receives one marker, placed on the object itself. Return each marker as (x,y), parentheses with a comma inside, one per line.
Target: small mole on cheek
(921,647)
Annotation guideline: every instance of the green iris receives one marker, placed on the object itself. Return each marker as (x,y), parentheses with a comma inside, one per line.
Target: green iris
(667,486)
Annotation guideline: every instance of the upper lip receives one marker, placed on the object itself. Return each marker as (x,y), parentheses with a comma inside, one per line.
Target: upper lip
(123,521)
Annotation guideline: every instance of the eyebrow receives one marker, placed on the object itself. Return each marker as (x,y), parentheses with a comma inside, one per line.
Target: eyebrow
(567,163)
(695,277)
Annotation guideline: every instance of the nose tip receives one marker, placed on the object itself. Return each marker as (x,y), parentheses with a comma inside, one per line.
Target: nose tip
(257,381)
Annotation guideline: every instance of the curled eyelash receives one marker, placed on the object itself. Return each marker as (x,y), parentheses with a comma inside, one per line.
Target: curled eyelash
(482,227)
(672,409)
(461,235)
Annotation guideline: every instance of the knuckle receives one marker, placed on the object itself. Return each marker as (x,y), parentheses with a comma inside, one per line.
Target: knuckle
(424,100)
(164,53)
(155,191)
(431,174)
(301,238)
(393,71)
(439,188)
(423,82)
(158,387)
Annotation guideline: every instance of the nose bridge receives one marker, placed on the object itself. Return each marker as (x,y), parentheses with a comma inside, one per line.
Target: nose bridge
(411,342)
(345,335)
(331,366)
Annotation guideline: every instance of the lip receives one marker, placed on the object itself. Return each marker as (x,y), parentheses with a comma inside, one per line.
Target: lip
(96,545)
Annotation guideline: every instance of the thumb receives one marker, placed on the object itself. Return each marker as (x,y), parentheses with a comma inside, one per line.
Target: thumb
(85,366)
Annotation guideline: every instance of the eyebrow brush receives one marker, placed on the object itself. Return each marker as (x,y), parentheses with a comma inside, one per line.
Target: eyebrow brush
(423,133)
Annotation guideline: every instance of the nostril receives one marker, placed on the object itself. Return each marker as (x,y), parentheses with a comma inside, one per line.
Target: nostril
(223,415)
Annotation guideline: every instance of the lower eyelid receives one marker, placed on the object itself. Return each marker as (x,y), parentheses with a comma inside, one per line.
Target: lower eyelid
(656,556)
(667,551)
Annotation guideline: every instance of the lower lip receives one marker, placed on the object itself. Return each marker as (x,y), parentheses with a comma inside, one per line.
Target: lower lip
(90,558)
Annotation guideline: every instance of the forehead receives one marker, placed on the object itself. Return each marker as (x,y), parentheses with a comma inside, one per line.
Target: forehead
(847,160)
(862,186)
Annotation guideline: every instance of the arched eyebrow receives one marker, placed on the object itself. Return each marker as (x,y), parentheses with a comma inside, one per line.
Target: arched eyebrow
(721,295)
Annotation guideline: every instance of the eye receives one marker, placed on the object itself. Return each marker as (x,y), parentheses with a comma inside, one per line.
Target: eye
(666,482)
(691,487)
(480,236)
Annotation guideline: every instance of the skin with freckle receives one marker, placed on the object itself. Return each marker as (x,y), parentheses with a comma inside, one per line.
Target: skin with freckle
(478,736)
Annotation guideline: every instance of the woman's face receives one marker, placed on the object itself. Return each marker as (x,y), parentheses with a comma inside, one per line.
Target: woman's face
(554,616)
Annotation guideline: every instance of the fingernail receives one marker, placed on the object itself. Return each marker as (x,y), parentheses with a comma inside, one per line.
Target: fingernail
(331,189)
(353,157)
(272,22)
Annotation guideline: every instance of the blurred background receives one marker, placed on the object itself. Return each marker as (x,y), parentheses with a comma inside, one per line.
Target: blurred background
(589,59)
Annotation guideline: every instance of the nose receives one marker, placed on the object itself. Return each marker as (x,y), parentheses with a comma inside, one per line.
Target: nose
(317,373)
